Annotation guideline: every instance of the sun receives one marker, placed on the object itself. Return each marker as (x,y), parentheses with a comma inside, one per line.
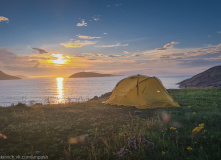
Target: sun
(60,59)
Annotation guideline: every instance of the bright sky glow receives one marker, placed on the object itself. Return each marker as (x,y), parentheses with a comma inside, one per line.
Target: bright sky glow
(62,37)
(60,59)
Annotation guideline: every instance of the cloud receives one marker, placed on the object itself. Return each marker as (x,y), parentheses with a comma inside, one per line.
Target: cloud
(87,37)
(170,45)
(83,23)
(160,49)
(77,44)
(167,46)
(126,52)
(114,5)
(105,33)
(11,60)
(115,56)
(102,55)
(93,54)
(118,5)
(137,54)
(96,18)
(3,19)
(219,32)
(41,51)
(113,45)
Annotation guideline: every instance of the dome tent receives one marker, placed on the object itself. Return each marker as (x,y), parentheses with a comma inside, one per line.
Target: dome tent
(142,92)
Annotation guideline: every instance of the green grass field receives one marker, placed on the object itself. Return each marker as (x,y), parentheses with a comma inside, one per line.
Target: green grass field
(96,131)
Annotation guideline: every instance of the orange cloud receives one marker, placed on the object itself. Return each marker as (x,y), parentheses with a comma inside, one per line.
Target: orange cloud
(87,37)
(77,44)
(3,19)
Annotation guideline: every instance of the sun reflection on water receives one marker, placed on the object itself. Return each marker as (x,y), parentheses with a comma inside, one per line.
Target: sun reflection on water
(60,89)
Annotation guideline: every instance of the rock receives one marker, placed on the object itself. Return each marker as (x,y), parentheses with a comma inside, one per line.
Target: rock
(137,112)
(37,153)
(95,98)
(126,115)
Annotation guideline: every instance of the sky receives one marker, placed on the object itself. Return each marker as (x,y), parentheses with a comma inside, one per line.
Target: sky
(62,37)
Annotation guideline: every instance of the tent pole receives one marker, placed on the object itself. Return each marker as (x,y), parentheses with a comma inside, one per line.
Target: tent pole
(138,90)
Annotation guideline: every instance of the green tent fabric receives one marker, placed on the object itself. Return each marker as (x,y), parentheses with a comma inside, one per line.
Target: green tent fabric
(142,92)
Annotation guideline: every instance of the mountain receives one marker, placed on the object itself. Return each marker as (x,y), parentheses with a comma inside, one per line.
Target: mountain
(89,74)
(208,78)
(4,76)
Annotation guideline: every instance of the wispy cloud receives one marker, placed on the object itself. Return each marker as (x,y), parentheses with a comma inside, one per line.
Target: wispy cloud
(126,52)
(219,32)
(168,45)
(115,5)
(115,56)
(77,44)
(105,33)
(93,55)
(118,5)
(83,23)
(3,19)
(137,54)
(41,51)
(113,45)
(87,37)
(96,18)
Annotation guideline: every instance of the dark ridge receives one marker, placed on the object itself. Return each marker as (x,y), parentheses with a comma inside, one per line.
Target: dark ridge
(4,76)
(208,78)
(90,74)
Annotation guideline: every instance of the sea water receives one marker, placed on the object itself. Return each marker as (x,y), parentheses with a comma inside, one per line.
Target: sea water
(62,90)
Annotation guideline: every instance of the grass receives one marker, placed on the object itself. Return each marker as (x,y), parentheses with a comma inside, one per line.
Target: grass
(96,131)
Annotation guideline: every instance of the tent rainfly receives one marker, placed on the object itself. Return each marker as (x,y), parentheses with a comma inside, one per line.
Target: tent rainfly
(142,92)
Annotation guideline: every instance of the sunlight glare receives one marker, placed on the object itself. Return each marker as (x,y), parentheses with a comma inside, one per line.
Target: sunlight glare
(60,89)
(61,59)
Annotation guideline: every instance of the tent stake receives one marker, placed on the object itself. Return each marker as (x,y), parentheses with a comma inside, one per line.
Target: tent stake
(138,90)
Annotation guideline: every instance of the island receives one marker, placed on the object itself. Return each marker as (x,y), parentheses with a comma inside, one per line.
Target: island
(90,74)
(208,78)
(4,76)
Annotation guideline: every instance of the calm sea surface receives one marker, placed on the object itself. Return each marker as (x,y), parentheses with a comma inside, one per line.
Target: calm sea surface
(60,90)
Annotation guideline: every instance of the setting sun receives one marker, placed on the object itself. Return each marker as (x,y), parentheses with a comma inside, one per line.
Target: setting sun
(60,58)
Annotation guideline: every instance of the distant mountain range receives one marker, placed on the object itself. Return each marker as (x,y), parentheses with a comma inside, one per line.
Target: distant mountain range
(90,74)
(4,76)
(208,78)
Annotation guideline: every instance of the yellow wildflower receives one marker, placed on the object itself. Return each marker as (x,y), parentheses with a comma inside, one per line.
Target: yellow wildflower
(205,131)
(194,113)
(196,129)
(189,148)
(172,128)
(163,153)
(201,125)
(3,136)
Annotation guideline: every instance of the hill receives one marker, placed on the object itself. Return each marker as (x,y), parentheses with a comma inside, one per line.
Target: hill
(208,78)
(89,74)
(4,76)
